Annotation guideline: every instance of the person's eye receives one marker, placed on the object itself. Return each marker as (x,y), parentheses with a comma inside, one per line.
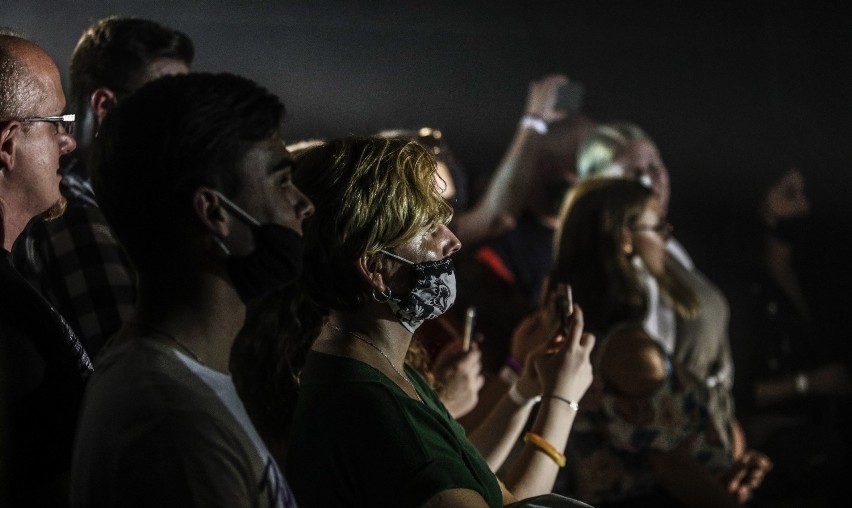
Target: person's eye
(285,180)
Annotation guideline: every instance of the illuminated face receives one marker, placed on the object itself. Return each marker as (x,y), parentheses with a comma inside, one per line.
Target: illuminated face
(42,143)
(648,238)
(432,243)
(267,191)
(640,160)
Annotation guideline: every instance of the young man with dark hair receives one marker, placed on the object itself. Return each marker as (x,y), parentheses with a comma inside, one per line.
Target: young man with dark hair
(74,261)
(193,176)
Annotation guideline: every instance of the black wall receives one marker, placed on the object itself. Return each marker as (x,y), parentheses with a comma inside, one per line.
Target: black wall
(707,79)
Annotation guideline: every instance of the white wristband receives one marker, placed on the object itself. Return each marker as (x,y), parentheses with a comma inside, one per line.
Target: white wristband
(535,123)
(519,399)
(802,383)
(508,375)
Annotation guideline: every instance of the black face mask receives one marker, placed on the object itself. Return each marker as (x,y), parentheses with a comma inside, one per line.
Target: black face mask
(275,262)
(792,230)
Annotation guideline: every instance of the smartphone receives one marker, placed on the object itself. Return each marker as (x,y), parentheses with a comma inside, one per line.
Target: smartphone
(569,97)
(565,306)
(469,320)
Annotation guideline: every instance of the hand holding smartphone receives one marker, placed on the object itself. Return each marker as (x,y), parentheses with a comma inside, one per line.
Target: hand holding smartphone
(569,97)
(565,306)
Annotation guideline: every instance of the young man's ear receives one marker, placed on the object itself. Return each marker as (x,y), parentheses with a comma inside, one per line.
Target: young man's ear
(627,242)
(208,209)
(102,101)
(9,132)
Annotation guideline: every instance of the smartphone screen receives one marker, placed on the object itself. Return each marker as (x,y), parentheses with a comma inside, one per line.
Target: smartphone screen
(565,305)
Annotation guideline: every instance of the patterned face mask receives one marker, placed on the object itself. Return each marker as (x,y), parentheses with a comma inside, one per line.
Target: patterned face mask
(433,293)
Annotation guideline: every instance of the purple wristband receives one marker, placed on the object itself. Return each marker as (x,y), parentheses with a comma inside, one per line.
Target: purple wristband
(514,365)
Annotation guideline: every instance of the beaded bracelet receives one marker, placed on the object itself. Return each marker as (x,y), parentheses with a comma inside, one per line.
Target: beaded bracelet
(543,445)
(572,404)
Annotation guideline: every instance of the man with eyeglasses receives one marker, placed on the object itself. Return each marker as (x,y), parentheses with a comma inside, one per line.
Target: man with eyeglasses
(42,364)
(74,261)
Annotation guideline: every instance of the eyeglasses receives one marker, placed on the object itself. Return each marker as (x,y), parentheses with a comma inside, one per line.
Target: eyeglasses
(663,228)
(62,123)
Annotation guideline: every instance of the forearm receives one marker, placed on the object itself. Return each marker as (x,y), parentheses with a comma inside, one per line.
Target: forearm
(510,183)
(767,393)
(534,473)
(499,431)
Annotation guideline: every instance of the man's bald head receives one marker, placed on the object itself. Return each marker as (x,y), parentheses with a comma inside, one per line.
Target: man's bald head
(21,88)
(30,143)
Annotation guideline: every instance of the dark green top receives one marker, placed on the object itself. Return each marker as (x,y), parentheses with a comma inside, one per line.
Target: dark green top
(358,440)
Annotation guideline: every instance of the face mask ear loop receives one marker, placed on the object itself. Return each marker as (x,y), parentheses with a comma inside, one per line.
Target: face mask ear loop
(400,258)
(222,246)
(230,205)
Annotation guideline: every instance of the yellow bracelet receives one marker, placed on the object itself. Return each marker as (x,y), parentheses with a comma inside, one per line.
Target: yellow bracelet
(543,445)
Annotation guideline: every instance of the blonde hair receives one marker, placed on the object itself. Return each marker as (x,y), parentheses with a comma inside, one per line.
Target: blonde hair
(594,159)
(370,194)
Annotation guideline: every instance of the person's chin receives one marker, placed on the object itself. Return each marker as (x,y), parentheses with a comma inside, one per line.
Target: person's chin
(56,209)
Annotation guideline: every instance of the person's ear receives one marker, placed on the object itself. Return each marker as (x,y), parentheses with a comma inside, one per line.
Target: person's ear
(368,269)
(9,134)
(102,101)
(626,242)
(208,209)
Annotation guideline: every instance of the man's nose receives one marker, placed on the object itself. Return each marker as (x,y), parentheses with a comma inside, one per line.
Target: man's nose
(67,144)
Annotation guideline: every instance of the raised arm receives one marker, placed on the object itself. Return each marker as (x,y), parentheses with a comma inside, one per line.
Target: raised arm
(507,191)
(564,372)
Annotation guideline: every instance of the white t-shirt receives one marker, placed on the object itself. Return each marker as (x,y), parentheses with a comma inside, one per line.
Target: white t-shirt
(160,429)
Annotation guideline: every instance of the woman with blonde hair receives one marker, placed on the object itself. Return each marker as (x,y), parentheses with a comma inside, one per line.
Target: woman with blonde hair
(368,431)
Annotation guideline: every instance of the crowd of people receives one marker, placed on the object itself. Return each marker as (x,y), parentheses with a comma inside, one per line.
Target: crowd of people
(196,313)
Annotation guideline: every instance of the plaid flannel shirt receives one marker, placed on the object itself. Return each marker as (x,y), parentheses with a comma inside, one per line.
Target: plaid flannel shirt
(76,264)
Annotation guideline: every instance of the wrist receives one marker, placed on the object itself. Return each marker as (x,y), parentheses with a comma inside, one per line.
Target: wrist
(572,404)
(801,383)
(534,122)
(528,386)
(509,375)
(519,398)
(514,364)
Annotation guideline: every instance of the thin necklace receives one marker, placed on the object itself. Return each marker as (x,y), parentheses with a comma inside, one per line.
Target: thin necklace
(372,345)
(168,336)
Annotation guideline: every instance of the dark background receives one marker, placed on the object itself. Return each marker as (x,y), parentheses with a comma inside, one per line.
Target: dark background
(709,80)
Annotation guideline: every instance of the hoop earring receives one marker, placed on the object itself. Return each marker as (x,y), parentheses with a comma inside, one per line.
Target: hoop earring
(385,295)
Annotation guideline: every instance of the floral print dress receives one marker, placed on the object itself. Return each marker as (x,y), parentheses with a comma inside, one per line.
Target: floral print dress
(613,435)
